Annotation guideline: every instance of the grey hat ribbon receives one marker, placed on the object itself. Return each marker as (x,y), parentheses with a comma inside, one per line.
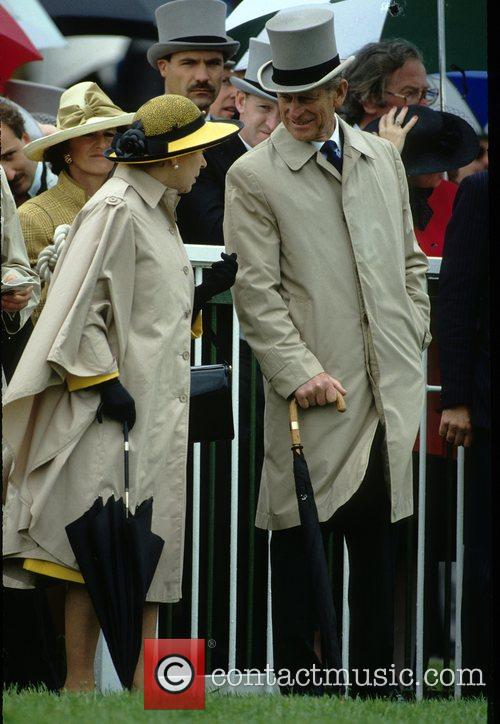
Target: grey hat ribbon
(199,39)
(301,76)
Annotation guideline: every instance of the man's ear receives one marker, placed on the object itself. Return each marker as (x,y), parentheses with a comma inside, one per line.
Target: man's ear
(239,101)
(25,138)
(341,93)
(162,66)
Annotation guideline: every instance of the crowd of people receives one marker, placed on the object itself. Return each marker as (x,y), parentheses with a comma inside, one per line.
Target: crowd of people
(324,179)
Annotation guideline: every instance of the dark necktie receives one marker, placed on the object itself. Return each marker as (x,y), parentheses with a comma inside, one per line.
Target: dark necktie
(333,154)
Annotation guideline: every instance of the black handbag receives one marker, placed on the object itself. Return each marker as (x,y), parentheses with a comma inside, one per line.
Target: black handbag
(211,409)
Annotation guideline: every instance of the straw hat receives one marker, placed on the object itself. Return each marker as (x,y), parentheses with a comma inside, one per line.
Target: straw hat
(258,54)
(165,127)
(84,108)
(304,51)
(438,142)
(191,25)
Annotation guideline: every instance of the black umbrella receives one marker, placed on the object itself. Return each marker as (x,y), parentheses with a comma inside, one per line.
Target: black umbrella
(314,547)
(132,18)
(118,554)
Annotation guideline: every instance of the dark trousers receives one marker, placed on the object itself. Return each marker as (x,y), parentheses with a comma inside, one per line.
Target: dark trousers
(365,522)
(477,609)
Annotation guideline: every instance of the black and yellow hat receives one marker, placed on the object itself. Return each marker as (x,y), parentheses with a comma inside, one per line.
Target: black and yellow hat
(165,127)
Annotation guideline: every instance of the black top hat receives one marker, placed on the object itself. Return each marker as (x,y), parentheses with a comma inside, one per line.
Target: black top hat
(438,141)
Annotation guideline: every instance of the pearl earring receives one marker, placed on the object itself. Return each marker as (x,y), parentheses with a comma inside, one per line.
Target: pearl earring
(67,158)
(176,166)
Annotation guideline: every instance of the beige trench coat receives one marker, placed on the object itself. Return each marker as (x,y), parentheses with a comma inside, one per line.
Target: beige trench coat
(330,279)
(14,255)
(120,299)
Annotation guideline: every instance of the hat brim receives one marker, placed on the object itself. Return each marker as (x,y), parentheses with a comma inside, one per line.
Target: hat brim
(36,149)
(160,50)
(210,134)
(242,85)
(265,73)
(423,156)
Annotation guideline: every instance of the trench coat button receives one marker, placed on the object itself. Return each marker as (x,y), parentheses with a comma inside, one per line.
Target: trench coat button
(185,269)
(186,355)
(171,229)
(183,398)
(113,200)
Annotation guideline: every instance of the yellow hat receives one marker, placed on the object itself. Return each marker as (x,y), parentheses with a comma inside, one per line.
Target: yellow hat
(83,108)
(165,127)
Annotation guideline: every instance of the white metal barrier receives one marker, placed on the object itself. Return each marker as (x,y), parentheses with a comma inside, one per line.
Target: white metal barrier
(203,256)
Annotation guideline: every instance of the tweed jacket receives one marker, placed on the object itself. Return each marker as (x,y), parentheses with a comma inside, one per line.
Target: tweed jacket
(42,214)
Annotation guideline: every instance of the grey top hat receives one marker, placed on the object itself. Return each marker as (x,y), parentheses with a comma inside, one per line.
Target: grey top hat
(191,25)
(258,54)
(304,51)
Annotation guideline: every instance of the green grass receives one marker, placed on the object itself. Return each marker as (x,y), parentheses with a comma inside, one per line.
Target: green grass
(44,708)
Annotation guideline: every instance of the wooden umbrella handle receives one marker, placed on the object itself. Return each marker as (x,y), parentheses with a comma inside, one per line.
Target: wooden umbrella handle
(294,417)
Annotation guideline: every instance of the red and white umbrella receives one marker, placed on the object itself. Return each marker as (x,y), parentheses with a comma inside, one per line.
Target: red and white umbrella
(16,47)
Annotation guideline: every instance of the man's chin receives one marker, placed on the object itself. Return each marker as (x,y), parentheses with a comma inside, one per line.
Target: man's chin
(202,102)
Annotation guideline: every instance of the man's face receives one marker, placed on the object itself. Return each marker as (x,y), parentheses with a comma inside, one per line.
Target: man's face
(309,116)
(410,81)
(19,169)
(224,106)
(260,116)
(195,74)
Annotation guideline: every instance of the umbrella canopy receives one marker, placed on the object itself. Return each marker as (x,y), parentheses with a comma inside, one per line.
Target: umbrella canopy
(132,18)
(314,547)
(118,554)
(356,22)
(35,22)
(17,48)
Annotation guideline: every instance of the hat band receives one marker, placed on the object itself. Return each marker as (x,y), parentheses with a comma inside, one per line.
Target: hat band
(134,143)
(199,39)
(259,87)
(301,76)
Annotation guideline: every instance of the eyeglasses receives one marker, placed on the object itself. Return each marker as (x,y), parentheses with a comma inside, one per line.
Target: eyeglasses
(428,94)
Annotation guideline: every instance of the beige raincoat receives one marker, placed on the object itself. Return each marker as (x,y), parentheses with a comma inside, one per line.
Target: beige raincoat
(120,300)
(330,279)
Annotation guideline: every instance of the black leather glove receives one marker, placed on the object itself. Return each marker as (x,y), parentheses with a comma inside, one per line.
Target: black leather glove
(116,402)
(219,278)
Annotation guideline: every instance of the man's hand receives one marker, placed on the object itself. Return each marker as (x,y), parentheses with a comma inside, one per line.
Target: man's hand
(17,301)
(320,390)
(456,426)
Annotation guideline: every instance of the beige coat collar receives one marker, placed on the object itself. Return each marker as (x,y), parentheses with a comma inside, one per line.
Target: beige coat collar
(149,189)
(296,153)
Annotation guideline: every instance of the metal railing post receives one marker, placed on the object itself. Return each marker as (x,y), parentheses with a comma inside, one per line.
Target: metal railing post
(459,568)
(233,568)
(422,451)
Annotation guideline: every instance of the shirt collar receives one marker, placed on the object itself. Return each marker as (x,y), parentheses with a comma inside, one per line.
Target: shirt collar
(334,137)
(149,189)
(37,181)
(248,148)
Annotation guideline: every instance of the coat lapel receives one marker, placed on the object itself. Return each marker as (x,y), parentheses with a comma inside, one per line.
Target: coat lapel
(355,146)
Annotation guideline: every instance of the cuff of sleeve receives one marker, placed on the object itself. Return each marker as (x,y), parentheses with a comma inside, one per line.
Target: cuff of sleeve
(79,383)
(197,327)
(293,374)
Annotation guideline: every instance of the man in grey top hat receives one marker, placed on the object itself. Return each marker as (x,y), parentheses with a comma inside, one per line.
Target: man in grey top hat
(331,295)
(192,48)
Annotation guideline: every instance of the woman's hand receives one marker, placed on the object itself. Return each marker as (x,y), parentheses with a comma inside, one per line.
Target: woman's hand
(15,301)
(391,126)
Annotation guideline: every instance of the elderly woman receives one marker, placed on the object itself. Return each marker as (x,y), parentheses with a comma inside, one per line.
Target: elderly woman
(115,334)
(86,122)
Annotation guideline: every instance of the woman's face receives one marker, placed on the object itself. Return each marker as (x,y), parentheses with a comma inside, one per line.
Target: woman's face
(189,169)
(87,152)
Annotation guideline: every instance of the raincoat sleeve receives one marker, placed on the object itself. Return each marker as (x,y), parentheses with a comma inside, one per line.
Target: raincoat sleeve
(251,230)
(416,263)
(86,350)
(14,256)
